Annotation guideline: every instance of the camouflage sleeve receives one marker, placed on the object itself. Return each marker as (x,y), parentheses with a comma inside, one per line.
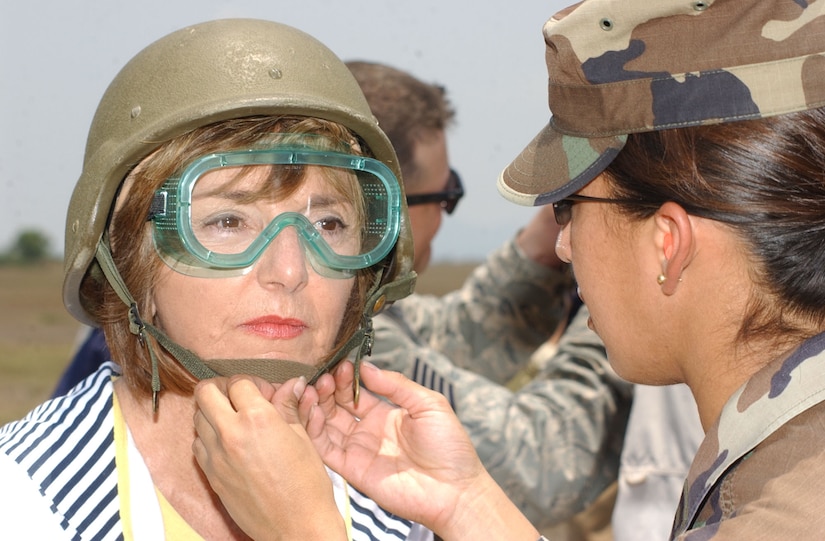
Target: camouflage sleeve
(554,444)
(505,309)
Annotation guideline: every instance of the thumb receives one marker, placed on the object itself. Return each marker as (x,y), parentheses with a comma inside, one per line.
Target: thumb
(287,398)
(265,388)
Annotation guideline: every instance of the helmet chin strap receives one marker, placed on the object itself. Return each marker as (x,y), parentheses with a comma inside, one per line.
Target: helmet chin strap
(272,370)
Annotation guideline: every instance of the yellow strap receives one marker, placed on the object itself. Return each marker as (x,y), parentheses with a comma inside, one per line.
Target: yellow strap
(122,467)
(174,527)
(173,524)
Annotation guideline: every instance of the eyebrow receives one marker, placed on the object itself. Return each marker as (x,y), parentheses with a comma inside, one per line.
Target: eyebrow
(234,195)
(325,200)
(314,200)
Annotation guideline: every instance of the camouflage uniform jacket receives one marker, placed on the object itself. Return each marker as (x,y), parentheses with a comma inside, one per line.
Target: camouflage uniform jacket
(554,444)
(760,472)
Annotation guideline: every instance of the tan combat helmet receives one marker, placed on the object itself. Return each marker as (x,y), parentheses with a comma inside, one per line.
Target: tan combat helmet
(199,75)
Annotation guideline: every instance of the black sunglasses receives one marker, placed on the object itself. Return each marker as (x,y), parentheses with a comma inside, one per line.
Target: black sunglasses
(564,213)
(448,198)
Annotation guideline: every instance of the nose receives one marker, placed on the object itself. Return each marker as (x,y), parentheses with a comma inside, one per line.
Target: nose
(283,263)
(563,244)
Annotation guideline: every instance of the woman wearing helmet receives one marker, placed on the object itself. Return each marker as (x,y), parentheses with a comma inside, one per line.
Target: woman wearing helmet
(239,212)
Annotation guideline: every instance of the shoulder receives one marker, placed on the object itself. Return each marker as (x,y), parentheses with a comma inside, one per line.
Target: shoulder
(61,431)
(61,455)
(69,411)
(775,490)
(790,462)
(28,513)
(392,329)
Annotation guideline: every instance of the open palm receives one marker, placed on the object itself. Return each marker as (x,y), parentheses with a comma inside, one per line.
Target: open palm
(410,454)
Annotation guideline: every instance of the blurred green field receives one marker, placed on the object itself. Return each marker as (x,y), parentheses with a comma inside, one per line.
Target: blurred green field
(37,335)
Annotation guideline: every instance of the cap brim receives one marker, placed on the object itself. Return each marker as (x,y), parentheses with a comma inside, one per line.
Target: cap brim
(555,165)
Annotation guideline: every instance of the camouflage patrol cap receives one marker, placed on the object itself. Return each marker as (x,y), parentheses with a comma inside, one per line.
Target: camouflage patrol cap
(624,66)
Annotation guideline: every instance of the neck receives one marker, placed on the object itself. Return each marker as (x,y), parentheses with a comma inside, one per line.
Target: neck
(164,439)
(725,374)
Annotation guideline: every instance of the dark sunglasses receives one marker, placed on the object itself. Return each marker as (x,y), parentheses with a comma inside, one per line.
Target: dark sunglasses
(563,210)
(448,198)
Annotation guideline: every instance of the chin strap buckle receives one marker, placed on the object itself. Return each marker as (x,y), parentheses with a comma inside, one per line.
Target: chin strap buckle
(136,325)
(138,328)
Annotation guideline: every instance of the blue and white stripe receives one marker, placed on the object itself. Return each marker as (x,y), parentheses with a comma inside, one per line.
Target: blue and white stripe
(425,375)
(371,523)
(66,446)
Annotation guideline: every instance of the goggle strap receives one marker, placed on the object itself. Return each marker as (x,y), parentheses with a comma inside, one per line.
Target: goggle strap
(158,205)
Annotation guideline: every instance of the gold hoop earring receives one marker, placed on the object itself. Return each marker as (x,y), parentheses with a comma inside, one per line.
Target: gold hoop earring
(660,279)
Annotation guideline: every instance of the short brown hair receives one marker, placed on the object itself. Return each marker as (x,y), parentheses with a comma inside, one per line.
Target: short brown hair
(407,108)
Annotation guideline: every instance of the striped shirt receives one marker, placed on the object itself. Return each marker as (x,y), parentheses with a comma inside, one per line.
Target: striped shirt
(61,456)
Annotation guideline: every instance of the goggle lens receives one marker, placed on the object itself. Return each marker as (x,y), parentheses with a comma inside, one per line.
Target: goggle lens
(224,209)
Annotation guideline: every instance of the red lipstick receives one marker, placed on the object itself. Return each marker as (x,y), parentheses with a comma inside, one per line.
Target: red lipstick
(275,327)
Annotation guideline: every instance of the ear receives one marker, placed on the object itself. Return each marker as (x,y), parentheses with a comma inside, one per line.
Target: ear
(152,309)
(674,243)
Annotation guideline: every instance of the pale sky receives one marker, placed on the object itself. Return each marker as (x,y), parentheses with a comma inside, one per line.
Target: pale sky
(56,59)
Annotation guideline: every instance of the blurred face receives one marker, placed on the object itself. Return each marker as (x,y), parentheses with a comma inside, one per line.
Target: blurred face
(280,309)
(432,174)
(616,279)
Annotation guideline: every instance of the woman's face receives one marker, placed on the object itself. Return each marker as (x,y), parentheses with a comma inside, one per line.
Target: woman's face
(281,309)
(616,268)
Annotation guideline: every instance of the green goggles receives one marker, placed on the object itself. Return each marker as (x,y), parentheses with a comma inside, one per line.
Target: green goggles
(222,212)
